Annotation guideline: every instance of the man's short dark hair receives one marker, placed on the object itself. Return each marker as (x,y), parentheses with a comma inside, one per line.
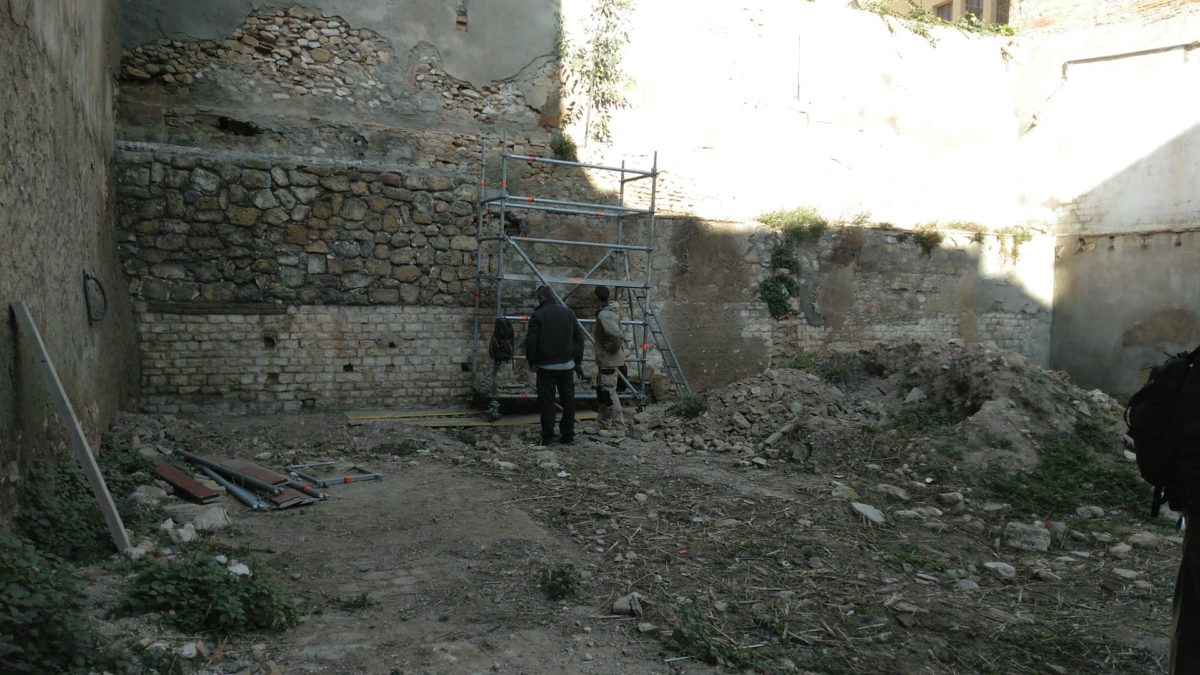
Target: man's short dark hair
(601,293)
(543,293)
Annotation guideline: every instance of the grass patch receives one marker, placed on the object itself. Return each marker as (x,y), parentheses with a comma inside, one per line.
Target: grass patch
(908,553)
(809,363)
(355,603)
(559,582)
(197,594)
(927,418)
(803,225)
(690,406)
(1068,475)
(693,637)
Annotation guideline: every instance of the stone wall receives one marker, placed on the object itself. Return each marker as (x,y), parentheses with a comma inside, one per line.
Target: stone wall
(199,227)
(56,224)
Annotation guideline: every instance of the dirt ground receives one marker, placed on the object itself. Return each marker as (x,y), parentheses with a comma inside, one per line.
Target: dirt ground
(748,551)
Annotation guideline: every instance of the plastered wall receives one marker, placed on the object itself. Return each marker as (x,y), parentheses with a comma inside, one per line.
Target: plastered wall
(56,223)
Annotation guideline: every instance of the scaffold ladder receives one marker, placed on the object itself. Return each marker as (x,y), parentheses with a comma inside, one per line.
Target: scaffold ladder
(670,362)
(500,248)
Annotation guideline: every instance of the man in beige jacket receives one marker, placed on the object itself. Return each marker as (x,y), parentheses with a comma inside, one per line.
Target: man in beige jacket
(610,357)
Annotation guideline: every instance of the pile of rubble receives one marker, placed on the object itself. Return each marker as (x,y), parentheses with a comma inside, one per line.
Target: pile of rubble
(998,403)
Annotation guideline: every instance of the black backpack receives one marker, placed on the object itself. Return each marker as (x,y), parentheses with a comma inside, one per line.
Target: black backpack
(1162,418)
(503,343)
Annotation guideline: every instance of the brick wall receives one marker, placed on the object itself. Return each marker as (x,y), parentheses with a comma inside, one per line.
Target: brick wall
(1061,15)
(314,357)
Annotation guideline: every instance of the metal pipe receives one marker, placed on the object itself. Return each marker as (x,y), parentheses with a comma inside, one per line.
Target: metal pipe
(595,208)
(1186,46)
(534,206)
(247,481)
(242,495)
(306,489)
(478,265)
(547,160)
(570,242)
(587,333)
(525,317)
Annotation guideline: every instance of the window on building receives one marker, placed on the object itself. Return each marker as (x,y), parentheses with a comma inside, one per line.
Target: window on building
(945,11)
(975,7)
(1002,11)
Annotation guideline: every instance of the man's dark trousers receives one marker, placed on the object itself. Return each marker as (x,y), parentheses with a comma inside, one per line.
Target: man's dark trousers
(1185,624)
(563,382)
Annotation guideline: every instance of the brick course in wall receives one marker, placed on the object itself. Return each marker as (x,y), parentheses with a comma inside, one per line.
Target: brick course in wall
(304,358)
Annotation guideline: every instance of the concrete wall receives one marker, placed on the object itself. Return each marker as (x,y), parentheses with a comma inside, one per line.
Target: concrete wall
(56,223)
(1122,303)
(1110,137)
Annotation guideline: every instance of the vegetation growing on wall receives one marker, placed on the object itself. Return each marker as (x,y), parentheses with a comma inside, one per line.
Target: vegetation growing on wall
(802,225)
(563,147)
(1011,239)
(591,71)
(920,20)
(928,237)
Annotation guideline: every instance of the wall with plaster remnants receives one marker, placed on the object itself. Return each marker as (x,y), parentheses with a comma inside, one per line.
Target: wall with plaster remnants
(56,224)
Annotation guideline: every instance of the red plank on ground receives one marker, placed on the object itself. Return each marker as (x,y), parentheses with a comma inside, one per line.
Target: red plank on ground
(186,484)
(250,469)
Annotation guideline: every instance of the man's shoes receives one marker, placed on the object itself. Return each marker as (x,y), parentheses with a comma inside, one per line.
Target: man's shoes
(546,440)
(567,440)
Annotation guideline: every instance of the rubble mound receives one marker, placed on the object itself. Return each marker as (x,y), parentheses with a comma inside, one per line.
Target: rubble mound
(985,408)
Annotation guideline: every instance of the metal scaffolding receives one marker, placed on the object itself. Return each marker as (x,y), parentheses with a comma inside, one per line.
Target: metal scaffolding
(508,258)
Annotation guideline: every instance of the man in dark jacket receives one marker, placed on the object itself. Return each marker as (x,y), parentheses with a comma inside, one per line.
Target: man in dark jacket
(554,349)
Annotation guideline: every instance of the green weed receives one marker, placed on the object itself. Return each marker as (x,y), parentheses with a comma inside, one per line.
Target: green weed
(563,147)
(693,637)
(559,582)
(42,625)
(197,594)
(1067,476)
(927,418)
(928,238)
(690,406)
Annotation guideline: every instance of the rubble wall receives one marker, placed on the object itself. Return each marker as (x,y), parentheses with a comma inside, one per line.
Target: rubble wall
(56,224)
(854,287)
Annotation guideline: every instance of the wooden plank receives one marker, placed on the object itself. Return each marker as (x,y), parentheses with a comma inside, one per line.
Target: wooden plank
(250,469)
(186,484)
(66,413)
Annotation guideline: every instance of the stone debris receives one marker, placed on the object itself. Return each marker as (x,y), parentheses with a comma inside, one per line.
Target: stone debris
(1001,569)
(630,604)
(871,514)
(211,519)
